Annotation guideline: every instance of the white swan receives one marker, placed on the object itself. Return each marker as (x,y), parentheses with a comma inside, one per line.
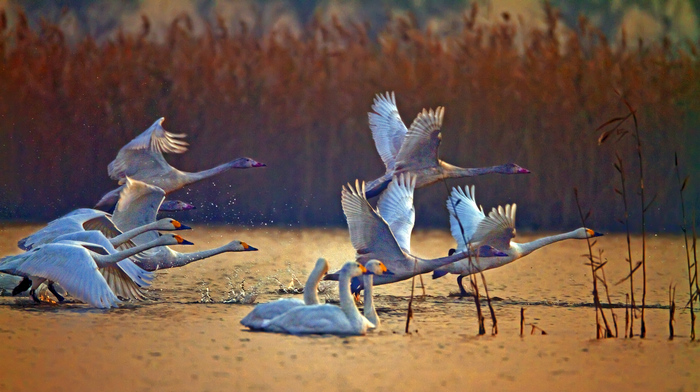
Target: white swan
(326,319)
(372,238)
(468,224)
(84,219)
(270,310)
(75,266)
(138,206)
(415,150)
(375,267)
(142,159)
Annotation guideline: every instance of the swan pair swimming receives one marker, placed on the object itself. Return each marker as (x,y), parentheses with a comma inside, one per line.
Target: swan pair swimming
(308,317)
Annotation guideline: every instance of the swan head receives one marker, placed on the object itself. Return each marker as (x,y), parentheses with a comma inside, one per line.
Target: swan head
(173,239)
(239,246)
(247,162)
(170,224)
(376,267)
(175,205)
(512,168)
(353,269)
(490,251)
(583,233)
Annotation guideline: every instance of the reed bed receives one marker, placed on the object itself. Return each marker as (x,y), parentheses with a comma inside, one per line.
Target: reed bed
(299,103)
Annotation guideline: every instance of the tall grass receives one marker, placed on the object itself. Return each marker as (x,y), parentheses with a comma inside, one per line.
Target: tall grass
(692,272)
(299,103)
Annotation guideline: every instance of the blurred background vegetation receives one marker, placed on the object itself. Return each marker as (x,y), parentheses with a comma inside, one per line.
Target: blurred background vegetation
(289,83)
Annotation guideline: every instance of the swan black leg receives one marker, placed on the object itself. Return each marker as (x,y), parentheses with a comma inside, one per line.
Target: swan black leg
(36,299)
(53,291)
(462,291)
(23,286)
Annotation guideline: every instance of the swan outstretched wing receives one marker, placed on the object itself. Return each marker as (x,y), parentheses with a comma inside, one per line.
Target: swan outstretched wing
(71,266)
(465,215)
(498,228)
(369,232)
(395,205)
(85,219)
(138,206)
(420,147)
(388,130)
(126,279)
(145,152)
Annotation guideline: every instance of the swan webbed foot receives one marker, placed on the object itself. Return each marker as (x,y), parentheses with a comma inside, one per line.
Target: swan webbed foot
(53,291)
(462,291)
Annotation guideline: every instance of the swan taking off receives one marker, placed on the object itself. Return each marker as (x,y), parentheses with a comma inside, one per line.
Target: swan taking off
(415,150)
(326,319)
(138,206)
(75,266)
(270,310)
(372,238)
(142,159)
(469,225)
(375,267)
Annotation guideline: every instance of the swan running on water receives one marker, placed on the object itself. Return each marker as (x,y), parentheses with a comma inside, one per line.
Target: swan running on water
(270,310)
(375,267)
(75,266)
(138,206)
(415,150)
(469,225)
(142,159)
(326,319)
(372,238)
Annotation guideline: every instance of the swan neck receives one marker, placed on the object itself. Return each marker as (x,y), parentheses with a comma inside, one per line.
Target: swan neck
(427,265)
(347,302)
(121,255)
(369,311)
(129,234)
(182,259)
(311,286)
(204,174)
(529,247)
(451,171)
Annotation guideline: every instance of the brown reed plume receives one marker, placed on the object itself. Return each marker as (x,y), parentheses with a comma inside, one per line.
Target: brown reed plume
(692,271)
(614,127)
(595,266)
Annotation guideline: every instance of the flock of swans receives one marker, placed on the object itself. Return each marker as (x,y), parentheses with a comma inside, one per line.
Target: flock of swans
(98,257)
(102,259)
(381,236)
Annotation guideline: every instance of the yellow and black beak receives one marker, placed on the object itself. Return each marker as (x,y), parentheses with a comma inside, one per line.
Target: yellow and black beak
(179,226)
(363,269)
(247,247)
(182,241)
(592,233)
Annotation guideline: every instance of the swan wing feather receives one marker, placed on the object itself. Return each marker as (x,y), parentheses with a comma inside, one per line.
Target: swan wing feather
(388,130)
(420,147)
(395,205)
(369,232)
(465,215)
(498,229)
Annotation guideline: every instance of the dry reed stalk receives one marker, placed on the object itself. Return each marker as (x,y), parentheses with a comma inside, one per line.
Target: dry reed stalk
(672,309)
(619,166)
(477,302)
(692,278)
(594,269)
(607,292)
(409,312)
(617,129)
(627,315)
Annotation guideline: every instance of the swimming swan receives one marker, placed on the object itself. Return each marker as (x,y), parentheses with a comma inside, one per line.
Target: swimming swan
(415,150)
(326,319)
(372,238)
(375,267)
(269,310)
(142,159)
(497,230)
(75,266)
(138,206)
